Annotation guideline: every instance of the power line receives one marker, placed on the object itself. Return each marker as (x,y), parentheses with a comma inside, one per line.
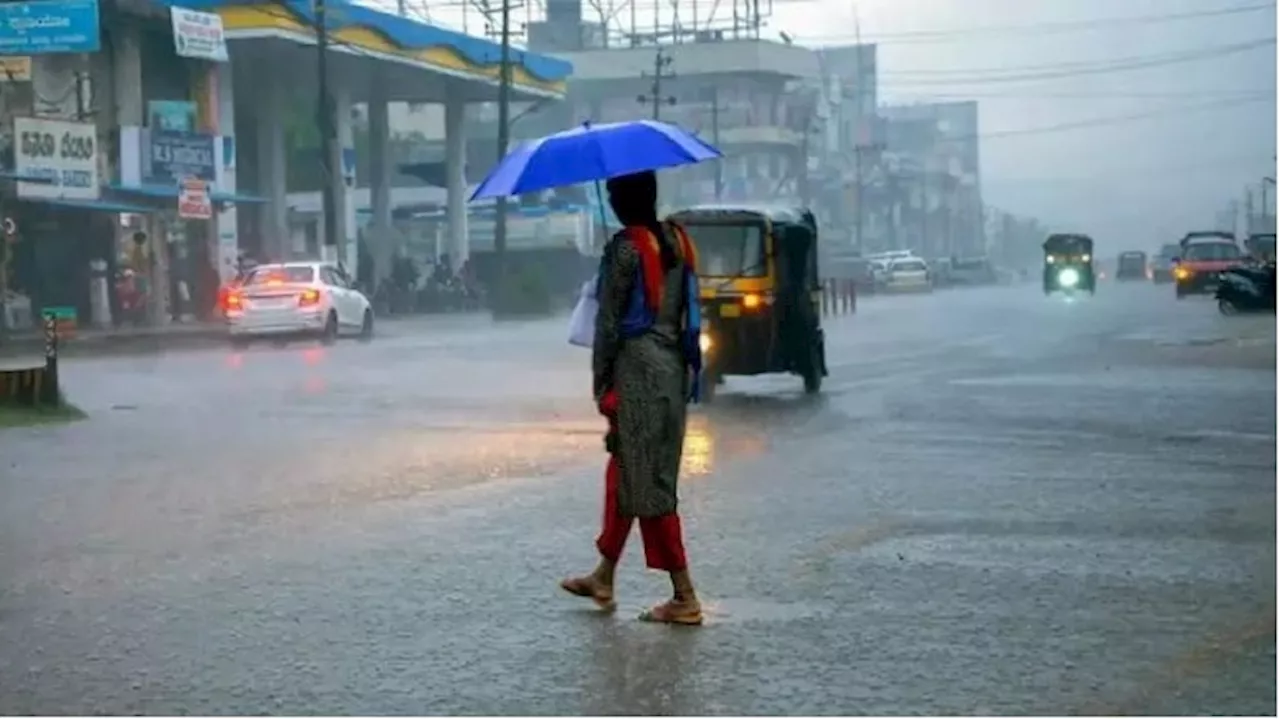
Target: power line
(1046,28)
(1113,120)
(1123,65)
(1121,95)
(1066,66)
(1131,172)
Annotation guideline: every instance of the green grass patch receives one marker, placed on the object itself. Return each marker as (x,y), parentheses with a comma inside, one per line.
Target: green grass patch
(12,415)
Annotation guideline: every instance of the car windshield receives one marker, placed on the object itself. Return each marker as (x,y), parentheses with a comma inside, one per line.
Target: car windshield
(909,266)
(1212,251)
(729,250)
(299,275)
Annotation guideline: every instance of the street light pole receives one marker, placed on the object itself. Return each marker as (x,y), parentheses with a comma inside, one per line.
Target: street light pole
(504,139)
(328,135)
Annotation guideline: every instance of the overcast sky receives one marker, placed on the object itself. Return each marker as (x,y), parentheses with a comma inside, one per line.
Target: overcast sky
(1209,125)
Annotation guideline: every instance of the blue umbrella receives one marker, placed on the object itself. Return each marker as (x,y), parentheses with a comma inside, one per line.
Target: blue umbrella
(592,153)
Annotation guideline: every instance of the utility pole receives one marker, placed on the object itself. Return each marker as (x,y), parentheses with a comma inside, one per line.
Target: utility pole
(504,139)
(715,140)
(328,138)
(661,71)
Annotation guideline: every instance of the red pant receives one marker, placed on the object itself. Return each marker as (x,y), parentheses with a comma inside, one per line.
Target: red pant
(663,544)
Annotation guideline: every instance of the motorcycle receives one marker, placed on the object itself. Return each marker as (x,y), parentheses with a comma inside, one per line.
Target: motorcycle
(1247,289)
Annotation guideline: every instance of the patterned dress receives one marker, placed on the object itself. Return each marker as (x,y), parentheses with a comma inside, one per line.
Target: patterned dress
(650,377)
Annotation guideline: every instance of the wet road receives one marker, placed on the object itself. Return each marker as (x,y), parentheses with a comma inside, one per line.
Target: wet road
(1000,504)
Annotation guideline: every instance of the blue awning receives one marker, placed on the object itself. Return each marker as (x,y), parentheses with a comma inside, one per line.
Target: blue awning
(161,191)
(97,205)
(236,198)
(172,191)
(24,177)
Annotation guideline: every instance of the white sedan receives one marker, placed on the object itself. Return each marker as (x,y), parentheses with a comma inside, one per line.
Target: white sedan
(908,274)
(297,299)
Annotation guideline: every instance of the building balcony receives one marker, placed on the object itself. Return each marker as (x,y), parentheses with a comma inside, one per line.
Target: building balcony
(760,136)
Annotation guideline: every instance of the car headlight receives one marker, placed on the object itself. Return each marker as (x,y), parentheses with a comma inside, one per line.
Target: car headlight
(1069,277)
(1181,273)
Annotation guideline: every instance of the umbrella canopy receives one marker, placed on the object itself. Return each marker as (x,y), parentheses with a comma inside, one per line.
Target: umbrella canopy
(592,153)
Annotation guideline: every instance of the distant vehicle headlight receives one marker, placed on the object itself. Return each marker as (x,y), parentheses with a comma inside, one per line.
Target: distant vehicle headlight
(1069,277)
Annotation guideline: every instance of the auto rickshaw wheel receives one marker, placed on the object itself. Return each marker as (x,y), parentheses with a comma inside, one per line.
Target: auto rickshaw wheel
(707,388)
(813,374)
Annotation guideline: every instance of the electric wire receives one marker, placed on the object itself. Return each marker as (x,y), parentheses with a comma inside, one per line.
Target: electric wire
(1110,120)
(1129,64)
(1045,28)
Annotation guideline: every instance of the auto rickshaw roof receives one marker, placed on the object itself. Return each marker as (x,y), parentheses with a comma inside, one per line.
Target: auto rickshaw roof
(1059,243)
(1207,236)
(751,212)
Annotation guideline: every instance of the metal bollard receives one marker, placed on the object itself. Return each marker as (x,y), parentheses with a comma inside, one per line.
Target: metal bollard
(49,393)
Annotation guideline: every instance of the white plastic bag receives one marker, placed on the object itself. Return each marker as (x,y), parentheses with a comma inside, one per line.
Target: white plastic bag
(582,323)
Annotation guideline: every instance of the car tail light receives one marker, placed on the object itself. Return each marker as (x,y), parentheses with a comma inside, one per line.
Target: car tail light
(233,302)
(309,298)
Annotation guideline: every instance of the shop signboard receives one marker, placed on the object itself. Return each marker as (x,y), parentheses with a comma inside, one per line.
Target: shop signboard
(42,27)
(175,156)
(171,115)
(194,202)
(198,35)
(63,153)
(15,69)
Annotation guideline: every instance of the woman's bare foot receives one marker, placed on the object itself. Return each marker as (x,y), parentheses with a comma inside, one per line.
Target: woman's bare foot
(591,588)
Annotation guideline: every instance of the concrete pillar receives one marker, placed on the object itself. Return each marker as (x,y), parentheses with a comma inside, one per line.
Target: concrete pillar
(126,80)
(226,221)
(273,218)
(380,236)
(455,143)
(344,180)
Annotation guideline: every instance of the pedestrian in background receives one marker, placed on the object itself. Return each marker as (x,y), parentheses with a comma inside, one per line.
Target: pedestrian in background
(644,365)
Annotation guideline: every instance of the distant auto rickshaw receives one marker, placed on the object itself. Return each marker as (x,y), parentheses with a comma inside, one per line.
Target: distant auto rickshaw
(1132,265)
(1261,247)
(1068,264)
(760,292)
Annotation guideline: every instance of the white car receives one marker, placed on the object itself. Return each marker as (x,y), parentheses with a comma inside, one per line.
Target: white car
(908,274)
(297,298)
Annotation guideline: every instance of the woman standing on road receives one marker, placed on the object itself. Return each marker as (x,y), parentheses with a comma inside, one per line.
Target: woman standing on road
(645,361)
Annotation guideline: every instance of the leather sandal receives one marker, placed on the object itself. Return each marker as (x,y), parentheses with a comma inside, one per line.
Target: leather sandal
(682,612)
(590,588)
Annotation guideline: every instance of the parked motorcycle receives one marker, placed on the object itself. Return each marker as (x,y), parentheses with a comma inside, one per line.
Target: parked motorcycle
(1248,289)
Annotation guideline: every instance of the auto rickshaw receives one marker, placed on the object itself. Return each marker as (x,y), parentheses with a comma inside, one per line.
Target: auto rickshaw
(1068,264)
(760,292)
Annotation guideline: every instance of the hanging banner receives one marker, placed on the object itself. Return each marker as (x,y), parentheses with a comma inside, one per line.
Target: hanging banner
(193,201)
(198,35)
(43,27)
(64,153)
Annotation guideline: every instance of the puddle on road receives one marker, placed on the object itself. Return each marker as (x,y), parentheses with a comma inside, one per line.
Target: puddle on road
(731,610)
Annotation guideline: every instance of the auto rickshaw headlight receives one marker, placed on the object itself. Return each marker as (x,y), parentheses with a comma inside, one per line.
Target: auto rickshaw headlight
(1050,259)
(1068,278)
(704,342)
(1084,258)
(751,302)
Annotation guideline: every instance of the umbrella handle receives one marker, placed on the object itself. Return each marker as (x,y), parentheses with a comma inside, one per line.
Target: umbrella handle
(604,223)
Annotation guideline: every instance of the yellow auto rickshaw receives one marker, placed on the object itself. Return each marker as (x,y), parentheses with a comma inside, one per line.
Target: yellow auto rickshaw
(760,292)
